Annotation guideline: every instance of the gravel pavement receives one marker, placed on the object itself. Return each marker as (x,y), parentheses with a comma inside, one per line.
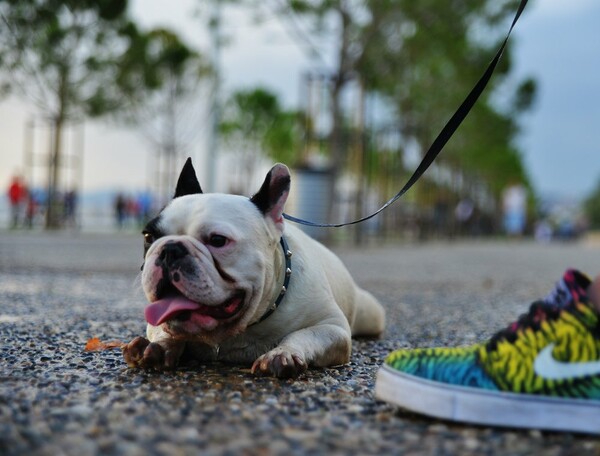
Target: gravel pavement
(58,290)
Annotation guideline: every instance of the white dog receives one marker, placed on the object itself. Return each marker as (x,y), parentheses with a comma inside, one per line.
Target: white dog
(228,280)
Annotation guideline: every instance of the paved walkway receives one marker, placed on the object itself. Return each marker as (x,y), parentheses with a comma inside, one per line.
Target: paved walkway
(58,290)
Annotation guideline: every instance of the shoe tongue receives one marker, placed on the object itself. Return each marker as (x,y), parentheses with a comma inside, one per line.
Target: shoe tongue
(571,288)
(160,311)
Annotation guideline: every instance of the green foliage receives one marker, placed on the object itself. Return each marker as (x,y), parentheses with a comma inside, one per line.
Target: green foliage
(283,140)
(55,53)
(525,95)
(81,58)
(423,57)
(78,58)
(162,64)
(250,112)
(254,118)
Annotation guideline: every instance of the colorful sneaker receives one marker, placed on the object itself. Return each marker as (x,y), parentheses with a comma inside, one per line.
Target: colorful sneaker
(541,372)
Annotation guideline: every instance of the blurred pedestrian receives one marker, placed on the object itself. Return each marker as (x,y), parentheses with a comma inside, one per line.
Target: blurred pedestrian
(120,207)
(514,204)
(543,231)
(463,213)
(32,209)
(145,205)
(70,208)
(132,210)
(17,197)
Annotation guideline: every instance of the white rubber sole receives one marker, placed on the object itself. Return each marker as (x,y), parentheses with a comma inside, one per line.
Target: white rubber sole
(484,407)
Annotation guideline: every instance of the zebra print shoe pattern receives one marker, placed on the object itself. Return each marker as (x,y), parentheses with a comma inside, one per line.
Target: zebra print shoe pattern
(543,371)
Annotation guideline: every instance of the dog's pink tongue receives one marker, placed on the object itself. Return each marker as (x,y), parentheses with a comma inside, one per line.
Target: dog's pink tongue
(160,311)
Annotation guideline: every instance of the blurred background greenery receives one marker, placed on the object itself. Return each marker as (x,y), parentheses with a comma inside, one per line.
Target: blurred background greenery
(400,70)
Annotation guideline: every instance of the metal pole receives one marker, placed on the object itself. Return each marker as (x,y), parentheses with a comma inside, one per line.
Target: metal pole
(78,219)
(28,144)
(215,109)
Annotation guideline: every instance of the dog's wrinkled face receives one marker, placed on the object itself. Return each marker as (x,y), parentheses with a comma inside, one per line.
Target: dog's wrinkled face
(209,262)
(204,271)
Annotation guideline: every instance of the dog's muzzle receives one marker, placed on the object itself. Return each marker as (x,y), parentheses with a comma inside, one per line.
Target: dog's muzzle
(171,253)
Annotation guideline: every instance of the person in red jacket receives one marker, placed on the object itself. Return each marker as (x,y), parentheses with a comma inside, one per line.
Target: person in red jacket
(17,197)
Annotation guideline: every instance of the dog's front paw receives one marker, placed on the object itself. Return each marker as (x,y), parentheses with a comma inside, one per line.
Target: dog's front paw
(280,363)
(140,352)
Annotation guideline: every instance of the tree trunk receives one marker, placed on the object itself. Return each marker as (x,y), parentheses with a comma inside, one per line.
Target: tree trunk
(53,206)
(340,78)
(338,152)
(52,203)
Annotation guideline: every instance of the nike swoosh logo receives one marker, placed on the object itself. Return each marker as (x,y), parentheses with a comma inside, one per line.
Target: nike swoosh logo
(550,369)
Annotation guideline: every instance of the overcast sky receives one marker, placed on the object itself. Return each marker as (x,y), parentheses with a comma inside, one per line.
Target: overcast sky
(557,42)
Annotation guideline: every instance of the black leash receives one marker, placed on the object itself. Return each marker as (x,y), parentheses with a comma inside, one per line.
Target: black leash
(441,140)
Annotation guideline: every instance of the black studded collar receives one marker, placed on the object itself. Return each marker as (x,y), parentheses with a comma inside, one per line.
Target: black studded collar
(287,253)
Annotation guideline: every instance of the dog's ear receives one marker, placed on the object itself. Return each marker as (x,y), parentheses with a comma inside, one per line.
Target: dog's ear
(273,193)
(187,184)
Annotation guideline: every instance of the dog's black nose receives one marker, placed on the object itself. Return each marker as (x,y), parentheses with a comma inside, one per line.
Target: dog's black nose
(172,252)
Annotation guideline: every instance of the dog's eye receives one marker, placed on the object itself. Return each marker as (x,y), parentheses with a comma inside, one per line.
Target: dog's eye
(148,238)
(217,240)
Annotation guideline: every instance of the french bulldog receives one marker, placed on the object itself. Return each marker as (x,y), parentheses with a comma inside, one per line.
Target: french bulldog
(228,280)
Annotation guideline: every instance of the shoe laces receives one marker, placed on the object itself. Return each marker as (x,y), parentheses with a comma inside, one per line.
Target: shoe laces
(547,309)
